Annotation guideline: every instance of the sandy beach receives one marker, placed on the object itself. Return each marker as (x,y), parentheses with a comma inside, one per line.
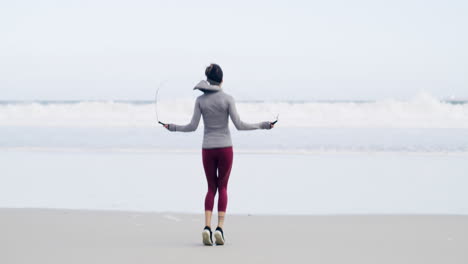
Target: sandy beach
(77,236)
(348,122)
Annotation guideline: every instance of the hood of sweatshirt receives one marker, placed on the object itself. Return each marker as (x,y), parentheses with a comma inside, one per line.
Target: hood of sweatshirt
(205,86)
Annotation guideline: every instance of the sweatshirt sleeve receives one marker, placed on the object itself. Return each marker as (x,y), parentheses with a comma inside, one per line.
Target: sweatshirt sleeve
(192,126)
(239,124)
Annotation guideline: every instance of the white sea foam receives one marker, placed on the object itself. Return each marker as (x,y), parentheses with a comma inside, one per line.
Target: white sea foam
(424,111)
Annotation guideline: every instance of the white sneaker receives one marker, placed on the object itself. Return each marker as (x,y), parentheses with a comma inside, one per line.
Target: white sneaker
(206,235)
(219,236)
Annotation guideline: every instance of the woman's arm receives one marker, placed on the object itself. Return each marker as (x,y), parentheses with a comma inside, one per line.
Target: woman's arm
(239,124)
(192,126)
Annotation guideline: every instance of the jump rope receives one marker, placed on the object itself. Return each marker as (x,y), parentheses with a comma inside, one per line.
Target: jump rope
(156,103)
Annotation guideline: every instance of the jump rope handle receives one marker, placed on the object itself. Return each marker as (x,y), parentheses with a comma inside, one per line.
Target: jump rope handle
(274,122)
(161,123)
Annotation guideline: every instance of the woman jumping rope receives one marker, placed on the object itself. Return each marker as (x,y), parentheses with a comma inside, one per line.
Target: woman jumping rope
(216,107)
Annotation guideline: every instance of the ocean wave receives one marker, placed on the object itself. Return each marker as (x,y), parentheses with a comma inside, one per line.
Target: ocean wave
(423,111)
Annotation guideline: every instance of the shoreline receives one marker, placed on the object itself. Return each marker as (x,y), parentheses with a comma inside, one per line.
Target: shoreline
(136,211)
(300,152)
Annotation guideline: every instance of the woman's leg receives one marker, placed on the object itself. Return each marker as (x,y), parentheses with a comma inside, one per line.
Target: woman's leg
(221,216)
(210,164)
(208,218)
(224,171)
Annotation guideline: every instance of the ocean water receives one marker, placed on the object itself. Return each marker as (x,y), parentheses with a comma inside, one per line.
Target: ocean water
(382,157)
(280,183)
(423,124)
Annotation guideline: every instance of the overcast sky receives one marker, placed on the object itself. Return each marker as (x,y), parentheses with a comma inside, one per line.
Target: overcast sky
(269,50)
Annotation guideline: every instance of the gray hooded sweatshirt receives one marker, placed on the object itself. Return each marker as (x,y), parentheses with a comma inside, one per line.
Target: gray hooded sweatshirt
(216,106)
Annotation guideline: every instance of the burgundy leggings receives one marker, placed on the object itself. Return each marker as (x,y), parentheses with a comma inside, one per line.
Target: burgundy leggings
(217,163)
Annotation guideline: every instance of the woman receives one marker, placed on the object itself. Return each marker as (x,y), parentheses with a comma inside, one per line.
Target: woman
(216,106)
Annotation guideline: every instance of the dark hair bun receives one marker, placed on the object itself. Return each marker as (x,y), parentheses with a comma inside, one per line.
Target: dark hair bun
(214,73)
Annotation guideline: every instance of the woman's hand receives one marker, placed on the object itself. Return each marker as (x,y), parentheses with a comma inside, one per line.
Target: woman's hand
(166,126)
(272,125)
